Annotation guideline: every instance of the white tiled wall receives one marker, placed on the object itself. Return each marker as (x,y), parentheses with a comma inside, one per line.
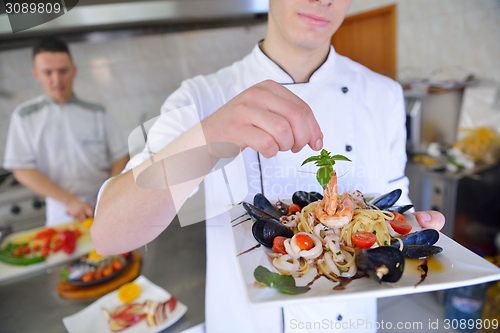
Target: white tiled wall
(132,77)
(433,34)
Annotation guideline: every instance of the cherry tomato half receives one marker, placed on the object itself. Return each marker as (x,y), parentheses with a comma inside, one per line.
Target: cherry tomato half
(278,244)
(304,241)
(399,224)
(364,239)
(294,208)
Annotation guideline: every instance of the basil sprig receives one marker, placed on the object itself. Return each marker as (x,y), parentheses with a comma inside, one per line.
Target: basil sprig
(325,163)
(284,283)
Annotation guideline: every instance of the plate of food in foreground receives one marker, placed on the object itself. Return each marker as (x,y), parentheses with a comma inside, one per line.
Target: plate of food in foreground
(326,246)
(139,306)
(93,268)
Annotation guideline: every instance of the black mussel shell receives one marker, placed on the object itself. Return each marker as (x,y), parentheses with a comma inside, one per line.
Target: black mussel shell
(369,261)
(421,251)
(257,213)
(399,209)
(421,237)
(260,201)
(265,231)
(387,200)
(316,195)
(303,198)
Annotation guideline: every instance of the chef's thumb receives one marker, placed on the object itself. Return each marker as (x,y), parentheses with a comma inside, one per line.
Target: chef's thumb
(430,219)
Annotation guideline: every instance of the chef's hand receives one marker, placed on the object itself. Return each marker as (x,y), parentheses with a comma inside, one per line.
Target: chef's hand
(430,219)
(80,210)
(266,117)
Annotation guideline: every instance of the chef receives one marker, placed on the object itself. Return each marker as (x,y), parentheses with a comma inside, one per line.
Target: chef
(59,145)
(285,101)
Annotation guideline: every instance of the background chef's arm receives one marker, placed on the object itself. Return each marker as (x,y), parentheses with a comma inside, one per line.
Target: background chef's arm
(119,165)
(39,183)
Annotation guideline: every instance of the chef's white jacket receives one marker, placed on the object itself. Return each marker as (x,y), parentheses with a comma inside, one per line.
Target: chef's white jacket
(361,114)
(74,145)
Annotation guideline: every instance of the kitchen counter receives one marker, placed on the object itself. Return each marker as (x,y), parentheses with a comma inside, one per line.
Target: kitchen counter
(175,261)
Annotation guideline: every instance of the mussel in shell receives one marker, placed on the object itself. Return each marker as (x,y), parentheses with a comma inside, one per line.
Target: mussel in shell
(420,244)
(421,237)
(303,198)
(421,251)
(399,209)
(260,201)
(264,232)
(256,213)
(266,227)
(384,263)
(387,200)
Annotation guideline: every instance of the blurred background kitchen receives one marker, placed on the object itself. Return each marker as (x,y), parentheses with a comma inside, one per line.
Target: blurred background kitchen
(131,55)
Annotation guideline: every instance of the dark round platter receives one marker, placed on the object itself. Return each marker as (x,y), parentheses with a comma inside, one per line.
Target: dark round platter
(128,261)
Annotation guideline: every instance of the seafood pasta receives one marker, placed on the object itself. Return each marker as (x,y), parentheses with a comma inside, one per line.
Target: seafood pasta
(328,232)
(339,235)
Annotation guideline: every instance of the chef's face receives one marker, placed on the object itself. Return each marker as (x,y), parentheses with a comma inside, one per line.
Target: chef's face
(55,71)
(307,24)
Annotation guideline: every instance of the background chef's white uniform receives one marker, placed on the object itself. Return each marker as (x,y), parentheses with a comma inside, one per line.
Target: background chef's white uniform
(361,114)
(74,145)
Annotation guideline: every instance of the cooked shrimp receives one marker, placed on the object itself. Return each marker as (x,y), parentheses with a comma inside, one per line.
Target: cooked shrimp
(329,202)
(327,212)
(343,215)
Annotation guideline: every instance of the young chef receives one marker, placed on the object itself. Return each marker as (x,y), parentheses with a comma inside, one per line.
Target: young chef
(293,90)
(59,145)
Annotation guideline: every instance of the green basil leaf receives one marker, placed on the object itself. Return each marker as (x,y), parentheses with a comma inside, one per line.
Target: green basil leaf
(311,159)
(340,158)
(284,283)
(325,162)
(324,175)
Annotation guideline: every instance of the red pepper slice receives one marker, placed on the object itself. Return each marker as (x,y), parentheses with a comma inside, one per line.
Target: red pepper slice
(68,241)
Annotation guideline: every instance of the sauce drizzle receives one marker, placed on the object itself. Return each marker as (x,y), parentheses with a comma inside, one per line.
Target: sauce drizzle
(315,278)
(238,218)
(250,249)
(343,281)
(234,225)
(424,269)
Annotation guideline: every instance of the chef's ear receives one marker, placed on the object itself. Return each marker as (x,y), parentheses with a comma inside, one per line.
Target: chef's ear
(35,73)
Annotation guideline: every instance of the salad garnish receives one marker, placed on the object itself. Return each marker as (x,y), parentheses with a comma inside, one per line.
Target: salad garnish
(284,283)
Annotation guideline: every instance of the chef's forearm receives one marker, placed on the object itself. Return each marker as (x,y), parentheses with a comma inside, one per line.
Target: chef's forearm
(39,183)
(138,205)
(119,165)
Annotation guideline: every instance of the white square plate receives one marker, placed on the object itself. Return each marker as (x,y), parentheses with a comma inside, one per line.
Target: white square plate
(92,319)
(460,267)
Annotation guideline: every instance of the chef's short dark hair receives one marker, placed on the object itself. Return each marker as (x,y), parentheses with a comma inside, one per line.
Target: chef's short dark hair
(50,44)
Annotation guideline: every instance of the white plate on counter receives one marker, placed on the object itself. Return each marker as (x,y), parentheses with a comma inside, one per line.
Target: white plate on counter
(83,246)
(92,318)
(456,266)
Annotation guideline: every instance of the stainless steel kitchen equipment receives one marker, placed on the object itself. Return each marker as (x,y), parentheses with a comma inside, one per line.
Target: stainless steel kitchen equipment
(20,208)
(431,117)
(413,106)
(468,200)
(92,15)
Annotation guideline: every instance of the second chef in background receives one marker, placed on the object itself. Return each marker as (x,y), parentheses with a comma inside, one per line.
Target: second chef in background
(59,145)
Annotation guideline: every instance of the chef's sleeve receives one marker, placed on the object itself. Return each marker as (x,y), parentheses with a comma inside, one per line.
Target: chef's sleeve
(116,140)
(398,158)
(19,153)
